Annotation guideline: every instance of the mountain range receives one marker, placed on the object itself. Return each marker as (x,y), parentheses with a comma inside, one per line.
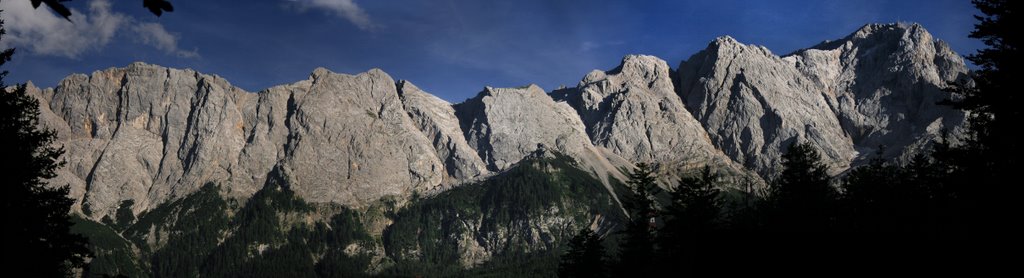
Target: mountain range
(155,136)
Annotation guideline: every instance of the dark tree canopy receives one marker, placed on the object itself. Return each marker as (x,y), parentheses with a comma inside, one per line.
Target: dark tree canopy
(637,246)
(695,203)
(585,257)
(992,100)
(992,152)
(38,234)
(802,196)
(125,217)
(690,218)
(881,197)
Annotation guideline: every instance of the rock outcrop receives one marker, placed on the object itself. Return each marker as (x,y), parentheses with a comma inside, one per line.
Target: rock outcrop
(145,133)
(876,87)
(754,104)
(505,125)
(883,83)
(436,119)
(634,112)
(351,142)
(152,134)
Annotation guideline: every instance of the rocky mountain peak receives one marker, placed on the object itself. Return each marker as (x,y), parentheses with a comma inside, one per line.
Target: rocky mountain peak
(318,72)
(873,29)
(875,87)
(633,112)
(506,124)
(152,134)
(727,45)
(724,41)
(633,65)
(436,119)
(531,90)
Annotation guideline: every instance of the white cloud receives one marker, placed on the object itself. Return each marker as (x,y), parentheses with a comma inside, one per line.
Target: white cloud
(347,9)
(47,34)
(155,35)
(44,33)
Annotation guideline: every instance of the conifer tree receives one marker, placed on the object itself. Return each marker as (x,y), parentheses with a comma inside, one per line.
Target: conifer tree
(585,257)
(992,152)
(38,234)
(689,219)
(637,247)
(802,197)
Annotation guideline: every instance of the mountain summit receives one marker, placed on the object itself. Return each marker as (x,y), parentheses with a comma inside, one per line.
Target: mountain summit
(152,134)
(877,87)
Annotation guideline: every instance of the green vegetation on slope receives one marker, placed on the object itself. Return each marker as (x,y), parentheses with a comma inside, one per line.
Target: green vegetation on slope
(112,254)
(204,234)
(180,235)
(514,224)
(522,217)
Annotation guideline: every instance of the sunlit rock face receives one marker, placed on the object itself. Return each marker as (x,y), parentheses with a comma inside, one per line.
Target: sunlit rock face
(151,134)
(876,87)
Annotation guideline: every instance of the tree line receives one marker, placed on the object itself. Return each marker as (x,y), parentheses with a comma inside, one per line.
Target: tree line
(875,207)
(953,205)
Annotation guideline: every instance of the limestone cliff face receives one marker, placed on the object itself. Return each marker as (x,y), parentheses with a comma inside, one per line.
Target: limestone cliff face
(876,87)
(436,119)
(505,125)
(754,104)
(350,141)
(883,82)
(153,134)
(634,112)
(150,134)
(145,133)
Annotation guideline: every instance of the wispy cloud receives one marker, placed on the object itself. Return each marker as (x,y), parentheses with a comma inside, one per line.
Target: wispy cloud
(155,35)
(45,33)
(347,9)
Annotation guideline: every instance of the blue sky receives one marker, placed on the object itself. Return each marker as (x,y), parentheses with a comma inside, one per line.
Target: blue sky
(451,48)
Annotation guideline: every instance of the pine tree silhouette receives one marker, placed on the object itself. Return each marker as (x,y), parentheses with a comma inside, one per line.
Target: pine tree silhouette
(802,198)
(690,220)
(636,249)
(37,235)
(992,153)
(585,257)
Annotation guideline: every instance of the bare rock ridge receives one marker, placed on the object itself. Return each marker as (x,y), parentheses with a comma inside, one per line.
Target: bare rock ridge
(753,104)
(633,112)
(436,119)
(875,87)
(352,142)
(153,134)
(145,133)
(507,124)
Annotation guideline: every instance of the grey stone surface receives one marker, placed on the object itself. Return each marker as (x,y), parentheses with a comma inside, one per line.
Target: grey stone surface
(876,87)
(883,82)
(351,142)
(634,112)
(145,133)
(152,134)
(504,125)
(436,119)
